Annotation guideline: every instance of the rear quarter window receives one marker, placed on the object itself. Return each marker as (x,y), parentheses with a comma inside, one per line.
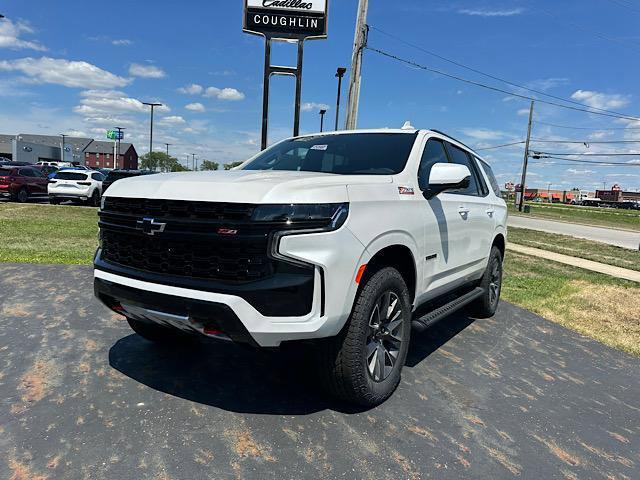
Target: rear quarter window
(71,176)
(5,172)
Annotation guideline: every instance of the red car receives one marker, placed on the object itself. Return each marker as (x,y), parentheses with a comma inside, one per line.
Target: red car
(21,183)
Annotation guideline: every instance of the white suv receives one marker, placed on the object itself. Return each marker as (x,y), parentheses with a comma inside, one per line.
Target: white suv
(84,185)
(342,239)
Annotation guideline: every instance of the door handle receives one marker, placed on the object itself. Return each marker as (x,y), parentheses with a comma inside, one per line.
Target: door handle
(464,212)
(490,212)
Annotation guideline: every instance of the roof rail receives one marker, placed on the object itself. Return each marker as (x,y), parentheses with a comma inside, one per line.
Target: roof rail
(454,139)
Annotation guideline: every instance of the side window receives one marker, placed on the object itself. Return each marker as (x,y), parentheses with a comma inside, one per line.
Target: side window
(97,177)
(433,153)
(491,176)
(25,172)
(461,157)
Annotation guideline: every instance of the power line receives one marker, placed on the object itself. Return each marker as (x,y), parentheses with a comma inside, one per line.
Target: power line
(586,142)
(610,154)
(584,128)
(493,77)
(500,146)
(601,163)
(598,34)
(489,87)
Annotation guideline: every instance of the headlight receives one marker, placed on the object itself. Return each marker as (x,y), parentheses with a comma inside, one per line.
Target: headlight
(329,216)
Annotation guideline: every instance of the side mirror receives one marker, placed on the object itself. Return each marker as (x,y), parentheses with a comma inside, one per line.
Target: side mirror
(447,176)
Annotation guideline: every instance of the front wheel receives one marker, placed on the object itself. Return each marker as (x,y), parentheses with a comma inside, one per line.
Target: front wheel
(23,195)
(362,365)
(95,199)
(491,284)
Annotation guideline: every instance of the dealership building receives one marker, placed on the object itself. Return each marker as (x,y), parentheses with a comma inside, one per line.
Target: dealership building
(77,150)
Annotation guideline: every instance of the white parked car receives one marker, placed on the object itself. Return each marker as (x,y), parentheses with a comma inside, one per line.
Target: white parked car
(55,164)
(344,240)
(84,185)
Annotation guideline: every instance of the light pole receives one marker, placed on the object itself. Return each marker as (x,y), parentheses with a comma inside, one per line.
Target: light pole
(62,149)
(193,162)
(168,145)
(339,74)
(152,105)
(322,114)
(115,164)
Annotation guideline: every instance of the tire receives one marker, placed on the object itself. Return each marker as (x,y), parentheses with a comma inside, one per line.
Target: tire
(158,334)
(347,363)
(54,201)
(22,196)
(95,199)
(491,283)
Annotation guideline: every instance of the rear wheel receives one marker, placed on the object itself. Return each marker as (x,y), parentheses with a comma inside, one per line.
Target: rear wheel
(491,283)
(363,364)
(156,333)
(54,201)
(23,195)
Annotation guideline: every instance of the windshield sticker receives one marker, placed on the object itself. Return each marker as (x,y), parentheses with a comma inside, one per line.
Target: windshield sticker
(320,147)
(405,191)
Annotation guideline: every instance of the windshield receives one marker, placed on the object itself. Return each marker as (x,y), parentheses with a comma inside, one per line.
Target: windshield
(347,154)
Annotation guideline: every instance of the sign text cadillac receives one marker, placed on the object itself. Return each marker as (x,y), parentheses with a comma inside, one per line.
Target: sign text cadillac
(286,18)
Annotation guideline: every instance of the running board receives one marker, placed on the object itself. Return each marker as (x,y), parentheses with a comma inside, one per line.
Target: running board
(447,309)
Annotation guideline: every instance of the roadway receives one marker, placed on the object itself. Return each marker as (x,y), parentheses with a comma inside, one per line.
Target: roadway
(618,238)
(515,396)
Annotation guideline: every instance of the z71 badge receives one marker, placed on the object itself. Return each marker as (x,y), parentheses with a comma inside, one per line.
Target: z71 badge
(405,191)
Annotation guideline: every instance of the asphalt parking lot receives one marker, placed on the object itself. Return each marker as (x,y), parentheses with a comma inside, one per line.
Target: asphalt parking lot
(511,397)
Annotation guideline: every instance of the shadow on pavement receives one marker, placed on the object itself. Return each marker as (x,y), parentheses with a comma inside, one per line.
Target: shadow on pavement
(243,380)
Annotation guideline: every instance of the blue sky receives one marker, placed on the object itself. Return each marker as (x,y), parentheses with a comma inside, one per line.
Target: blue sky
(80,69)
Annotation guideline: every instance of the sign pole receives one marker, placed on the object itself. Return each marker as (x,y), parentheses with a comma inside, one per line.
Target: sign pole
(265,93)
(296,115)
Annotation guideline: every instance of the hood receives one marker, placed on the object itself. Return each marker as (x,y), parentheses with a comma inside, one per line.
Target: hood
(244,186)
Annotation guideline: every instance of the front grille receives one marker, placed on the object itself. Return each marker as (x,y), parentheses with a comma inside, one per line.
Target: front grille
(190,246)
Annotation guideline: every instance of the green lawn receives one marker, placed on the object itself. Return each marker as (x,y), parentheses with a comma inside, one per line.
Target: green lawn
(595,305)
(602,217)
(575,247)
(47,234)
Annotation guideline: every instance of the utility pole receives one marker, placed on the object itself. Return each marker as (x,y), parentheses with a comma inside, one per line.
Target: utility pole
(152,105)
(322,114)
(193,162)
(526,159)
(359,44)
(168,145)
(115,164)
(339,74)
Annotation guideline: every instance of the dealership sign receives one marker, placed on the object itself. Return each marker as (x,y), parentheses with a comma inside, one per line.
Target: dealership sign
(115,135)
(289,19)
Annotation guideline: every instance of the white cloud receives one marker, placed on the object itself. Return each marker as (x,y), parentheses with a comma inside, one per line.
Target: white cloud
(601,100)
(146,71)
(100,103)
(193,89)
(483,133)
(580,172)
(312,106)
(195,107)
(75,74)
(230,94)
(545,84)
(491,13)
(121,42)
(10,36)
(172,120)
(523,112)
(634,162)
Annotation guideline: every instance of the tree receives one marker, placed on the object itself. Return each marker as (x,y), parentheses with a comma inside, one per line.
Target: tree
(160,161)
(231,165)
(209,165)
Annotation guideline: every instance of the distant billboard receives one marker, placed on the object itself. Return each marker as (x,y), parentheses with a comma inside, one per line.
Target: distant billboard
(115,135)
(286,19)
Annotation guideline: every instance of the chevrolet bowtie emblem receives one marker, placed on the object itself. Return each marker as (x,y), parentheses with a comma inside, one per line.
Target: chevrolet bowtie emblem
(150,226)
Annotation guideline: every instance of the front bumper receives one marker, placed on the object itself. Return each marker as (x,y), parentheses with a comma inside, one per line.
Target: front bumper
(335,256)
